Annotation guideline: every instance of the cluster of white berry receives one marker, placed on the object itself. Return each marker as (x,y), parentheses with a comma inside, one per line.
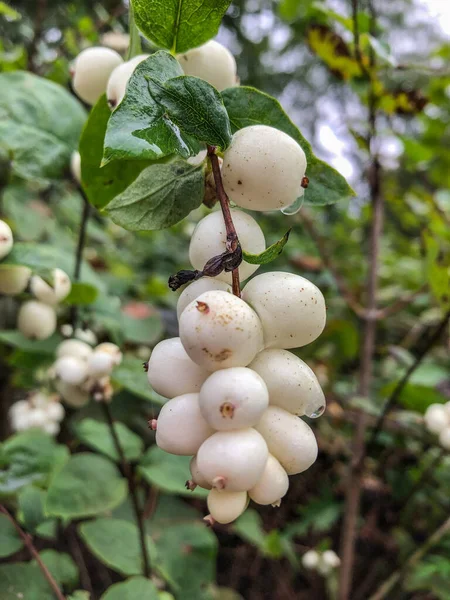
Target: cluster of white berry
(437,421)
(97,70)
(37,318)
(82,372)
(39,411)
(324,563)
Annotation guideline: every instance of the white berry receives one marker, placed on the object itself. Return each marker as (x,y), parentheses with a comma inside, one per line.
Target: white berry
(291,308)
(289,439)
(436,418)
(263,168)
(233,460)
(36,320)
(272,485)
(181,429)
(117,82)
(444,438)
(310,560)
(291,383)
(55,411)
(51,294)
(13,279)
(219,330)
(225,507)
(331,559)
(71,369)
(74,348)
(37,418)
(6,239)
(210,236)
(171,372)
(197,476)
(233,398)
(212,62)
(91,71)
(100,364)
(196,288)
(75,166)
(51,427)
(72,395)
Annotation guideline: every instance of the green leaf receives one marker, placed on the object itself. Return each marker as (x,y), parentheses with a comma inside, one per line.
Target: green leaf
(10,541)
(31,507)
(196,107)
(116,543)
(79,595)
(30,456)
(247,106)
(142,331)
(17,340)
(131,376)
(249,527)
(81,293)
(9,13)
(102,184)
(168,472)
(161,196)
(24,580)
(179,25)
(269,253)
(415,396)
(87,485)
(135,47)
(133,589)
(138,129)
(97,435)
(61,566)
(40,124)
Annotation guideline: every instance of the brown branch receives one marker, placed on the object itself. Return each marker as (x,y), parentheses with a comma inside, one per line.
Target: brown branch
(128,472)
(328,262)
(353,496)
(232,239)
(41,7)
(387,586)
(404,380)
(76,552)
(28,541)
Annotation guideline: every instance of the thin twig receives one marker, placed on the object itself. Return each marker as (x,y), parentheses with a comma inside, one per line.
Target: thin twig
(232,238)
(387,586)
(404,380)
(353,496)
(28,541)
(77,554)
(79,251)
(128,472)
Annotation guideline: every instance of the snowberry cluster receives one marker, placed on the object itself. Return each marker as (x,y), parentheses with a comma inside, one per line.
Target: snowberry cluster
(37,317)
(98,70)
(39,411)
(81,371)
(437,421)
(324,563)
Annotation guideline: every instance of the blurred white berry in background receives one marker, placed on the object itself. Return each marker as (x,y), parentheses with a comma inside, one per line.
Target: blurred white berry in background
(6,239)
(36,320)
(40,411)
(91,71)
(13,279)
(54,292)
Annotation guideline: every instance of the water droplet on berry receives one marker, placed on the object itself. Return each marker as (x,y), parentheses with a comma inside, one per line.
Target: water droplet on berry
(293,208)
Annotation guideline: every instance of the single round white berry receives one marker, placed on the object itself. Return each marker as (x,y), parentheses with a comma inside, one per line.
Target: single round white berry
(117,82)
(116,40)
(444,438)
(86,335)
(74,348)
(181,429)
(289,439)
(13,279)
(75,166)
(212,62)
(219,330)
(55,292)
(6,239)
(291,308)
(39,400)
(272,485)
(19,408)
(91,71)
(225,507)
(72,395)
(291,383)
(55,411)
(171,372)
(210,236)
(71,369)
(37,418)
(197,476)
(100,364)
(233,460)
(51,427)
(263,168)
(233,398)
(310,560)
(36,320)
(112,349)
(331,559)
(436,418)
(196,288)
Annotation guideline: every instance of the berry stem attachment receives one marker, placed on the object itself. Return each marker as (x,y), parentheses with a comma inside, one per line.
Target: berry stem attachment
(232,238)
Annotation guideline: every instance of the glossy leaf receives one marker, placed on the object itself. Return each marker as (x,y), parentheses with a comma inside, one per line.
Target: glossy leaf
(132,589)
(269,253)
(97,435)
(81,293)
